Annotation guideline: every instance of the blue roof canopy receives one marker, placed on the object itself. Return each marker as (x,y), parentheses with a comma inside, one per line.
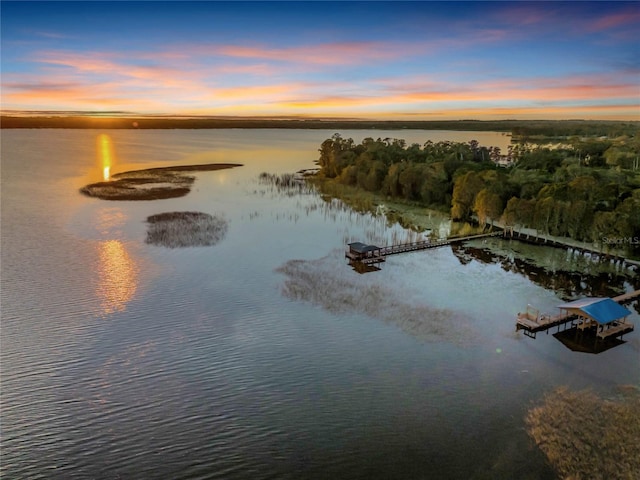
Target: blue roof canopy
(602,310)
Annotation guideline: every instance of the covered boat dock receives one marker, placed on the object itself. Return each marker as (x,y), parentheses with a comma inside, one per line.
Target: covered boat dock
(361,252)
(605,316)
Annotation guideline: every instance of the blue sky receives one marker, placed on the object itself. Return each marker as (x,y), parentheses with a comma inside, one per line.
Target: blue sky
(415,60)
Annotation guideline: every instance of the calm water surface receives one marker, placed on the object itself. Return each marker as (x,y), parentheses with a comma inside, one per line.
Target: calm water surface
(122,360)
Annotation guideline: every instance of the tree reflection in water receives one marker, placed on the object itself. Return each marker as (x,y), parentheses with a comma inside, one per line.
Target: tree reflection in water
(569,284)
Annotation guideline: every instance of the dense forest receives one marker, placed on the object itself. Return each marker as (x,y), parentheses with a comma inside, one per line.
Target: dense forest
(527,129)
(585,188)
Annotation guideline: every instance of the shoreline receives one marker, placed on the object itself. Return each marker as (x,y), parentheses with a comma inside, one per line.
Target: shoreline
(141,122)
(419,218)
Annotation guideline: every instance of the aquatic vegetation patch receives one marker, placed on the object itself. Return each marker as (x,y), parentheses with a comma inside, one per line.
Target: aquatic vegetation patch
(185,229)
(586,436)
(321,283)
(288,184)
(150,184)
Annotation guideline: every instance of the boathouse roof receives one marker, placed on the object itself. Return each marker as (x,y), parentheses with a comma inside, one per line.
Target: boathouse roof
(360,247)
(602,310)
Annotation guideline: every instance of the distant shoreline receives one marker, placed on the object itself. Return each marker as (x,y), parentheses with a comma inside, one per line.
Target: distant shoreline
(141,122)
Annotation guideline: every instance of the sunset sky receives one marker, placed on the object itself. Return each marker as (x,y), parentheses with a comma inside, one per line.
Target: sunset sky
(380,60)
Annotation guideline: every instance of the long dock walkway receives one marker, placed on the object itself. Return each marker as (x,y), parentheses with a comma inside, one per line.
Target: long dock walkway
(378,254)
(533,236)
(627,297)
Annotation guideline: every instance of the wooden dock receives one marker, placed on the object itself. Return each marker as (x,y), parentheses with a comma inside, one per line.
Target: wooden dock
(531,322)
(627,297)
(583,249)
(375,254)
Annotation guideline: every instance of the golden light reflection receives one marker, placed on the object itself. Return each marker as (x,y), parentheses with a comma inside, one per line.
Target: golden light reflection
(118,276)
(109,221)
(105,154)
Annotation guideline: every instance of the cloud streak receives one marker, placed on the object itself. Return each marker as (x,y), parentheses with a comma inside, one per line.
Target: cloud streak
(504,58)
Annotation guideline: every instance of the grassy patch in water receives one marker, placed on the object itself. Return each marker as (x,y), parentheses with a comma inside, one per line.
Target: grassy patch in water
(185,229)
(588,437)
(151,183)
(289,184)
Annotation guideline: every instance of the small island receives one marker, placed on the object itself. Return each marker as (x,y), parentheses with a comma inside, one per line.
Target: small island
(151,183)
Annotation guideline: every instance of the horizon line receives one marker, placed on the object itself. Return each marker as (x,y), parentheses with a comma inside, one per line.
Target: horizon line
(122,114)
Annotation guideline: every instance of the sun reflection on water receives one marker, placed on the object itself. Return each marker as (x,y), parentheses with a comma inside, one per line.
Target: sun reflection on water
(118,276)
(104,150)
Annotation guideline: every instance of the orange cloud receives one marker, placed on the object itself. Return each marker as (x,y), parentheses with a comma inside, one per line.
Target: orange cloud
(177,83)
(103,63)
(562,89)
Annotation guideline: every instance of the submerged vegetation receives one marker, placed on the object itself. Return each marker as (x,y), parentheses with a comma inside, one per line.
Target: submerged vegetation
(585,436)
(586,188)
(319,282)
(185,229)
(289,184)
(151,183)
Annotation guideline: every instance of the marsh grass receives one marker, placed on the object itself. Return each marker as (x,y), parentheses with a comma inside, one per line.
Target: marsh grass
(381,224)
(588,437)
(151,183)
(185,229)
(409,215)
(321,283)
(289,184)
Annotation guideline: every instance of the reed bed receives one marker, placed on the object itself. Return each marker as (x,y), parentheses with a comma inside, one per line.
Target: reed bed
(379,223)
(289,184)
(185,229)
(409,215)
(587,437)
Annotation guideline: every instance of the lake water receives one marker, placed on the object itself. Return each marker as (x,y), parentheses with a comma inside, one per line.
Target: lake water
(122,360)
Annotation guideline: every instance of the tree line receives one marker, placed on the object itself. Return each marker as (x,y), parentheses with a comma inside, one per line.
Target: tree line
(586,188)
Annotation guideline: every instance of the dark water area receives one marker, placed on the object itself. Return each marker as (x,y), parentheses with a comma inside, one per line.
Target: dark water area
(264,355)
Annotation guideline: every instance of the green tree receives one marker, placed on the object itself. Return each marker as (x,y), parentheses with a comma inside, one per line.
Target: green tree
(391,185)
(375,176)
(543,214)
(465,189)
(487,205)
(435,186)
(519,211)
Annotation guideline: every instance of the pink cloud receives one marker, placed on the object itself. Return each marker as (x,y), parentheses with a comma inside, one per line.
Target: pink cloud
(99,68)
(525,15)
(627,18)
